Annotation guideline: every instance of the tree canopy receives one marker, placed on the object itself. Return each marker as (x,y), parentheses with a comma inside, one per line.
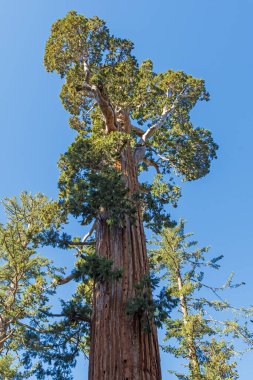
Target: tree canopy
(104,84)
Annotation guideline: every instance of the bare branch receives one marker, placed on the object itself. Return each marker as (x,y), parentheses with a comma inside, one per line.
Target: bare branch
(165,114)
(42,331)
(91,108)
(84,242)
(89,233)
(154,127)
(144,189)
(6,337)
(87,72)
(162,157)
(106,109)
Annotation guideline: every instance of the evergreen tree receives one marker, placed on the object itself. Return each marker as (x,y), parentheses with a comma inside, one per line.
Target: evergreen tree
(128,119)
(195,328)
(24,275)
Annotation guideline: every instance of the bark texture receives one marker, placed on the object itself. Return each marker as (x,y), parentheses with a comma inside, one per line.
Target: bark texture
(120,349)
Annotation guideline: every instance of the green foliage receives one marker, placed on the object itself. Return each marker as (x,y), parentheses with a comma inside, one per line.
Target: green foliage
(95,267)
(24,274)
(219,364)
(185,150)
(8,368)
(76,38)
(65,339)
(144,96)
(55,342)
(33,339)
(194,328)
(148,309)
(102,77)
(89,182)
(155,197)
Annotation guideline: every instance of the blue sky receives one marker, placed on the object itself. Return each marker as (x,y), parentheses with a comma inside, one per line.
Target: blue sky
(211,39)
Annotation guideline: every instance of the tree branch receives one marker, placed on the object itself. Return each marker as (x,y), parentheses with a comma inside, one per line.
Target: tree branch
(51,314)
(165,114)
(152,163)
(86,71)
(106,109)
(138,131)
(65,280)
(163,158)
(89,233)
(102,99)
(77,316)
(157,125)
(82,243)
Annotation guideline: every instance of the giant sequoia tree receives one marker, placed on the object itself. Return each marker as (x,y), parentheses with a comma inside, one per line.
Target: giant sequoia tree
(128,119)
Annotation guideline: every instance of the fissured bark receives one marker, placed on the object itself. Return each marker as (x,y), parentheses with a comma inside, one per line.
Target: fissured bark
(120,349)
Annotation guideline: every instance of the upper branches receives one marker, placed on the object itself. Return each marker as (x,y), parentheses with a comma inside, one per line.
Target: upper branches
(83,50)
(106,90)
(100,67)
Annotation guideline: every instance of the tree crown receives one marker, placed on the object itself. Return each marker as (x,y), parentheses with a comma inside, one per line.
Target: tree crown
(105,90)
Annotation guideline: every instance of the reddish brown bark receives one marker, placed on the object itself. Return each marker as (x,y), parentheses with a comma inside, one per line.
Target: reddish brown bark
(120,349)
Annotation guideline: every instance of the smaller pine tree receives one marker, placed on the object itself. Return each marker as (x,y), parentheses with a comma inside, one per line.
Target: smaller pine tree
(24,275)
(199,335)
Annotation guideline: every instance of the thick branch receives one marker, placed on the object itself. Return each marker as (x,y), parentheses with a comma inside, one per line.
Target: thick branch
(154,127)
(102,99)
(165,114)
(84,242)
(65,280)
(138,131)
(152,163)
(89,233)
(107,110)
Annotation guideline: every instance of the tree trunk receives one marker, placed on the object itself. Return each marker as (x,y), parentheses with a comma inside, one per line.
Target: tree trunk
(193,357)
(120,349)
(3,333)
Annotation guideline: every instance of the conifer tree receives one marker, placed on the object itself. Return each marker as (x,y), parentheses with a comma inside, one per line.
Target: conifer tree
(128,119)
(24,275)
(203,341)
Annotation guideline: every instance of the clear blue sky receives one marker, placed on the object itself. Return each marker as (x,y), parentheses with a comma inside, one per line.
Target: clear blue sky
(211,39)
